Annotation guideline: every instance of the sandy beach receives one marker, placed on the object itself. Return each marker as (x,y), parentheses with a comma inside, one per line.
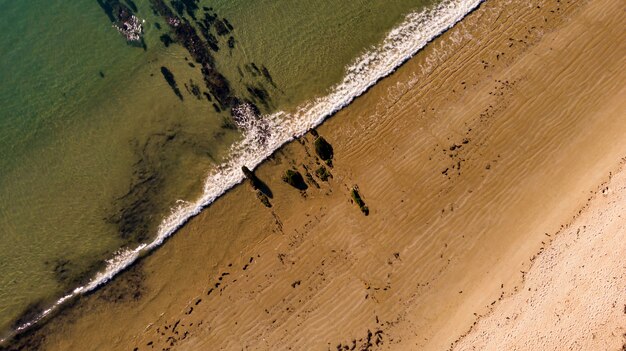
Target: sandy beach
(479,159)
(573,296)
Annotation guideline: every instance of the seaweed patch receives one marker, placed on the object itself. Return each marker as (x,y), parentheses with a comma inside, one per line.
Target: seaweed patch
(356,196)
(136,214)
(135,209)
(201,32)
(295,179)
(169,78)
(67,272)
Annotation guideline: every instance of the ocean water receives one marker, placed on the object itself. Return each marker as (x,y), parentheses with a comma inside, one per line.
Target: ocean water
(107,145)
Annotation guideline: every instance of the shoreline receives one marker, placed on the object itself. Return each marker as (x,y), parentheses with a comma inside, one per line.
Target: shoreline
(228,174)
(281,244)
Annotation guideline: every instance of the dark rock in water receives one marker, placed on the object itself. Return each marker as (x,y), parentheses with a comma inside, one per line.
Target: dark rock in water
(169,77)
(219,87)
(268,76)
(205,30)
(259,94)
(186,35)
(107,7)
(132,30)
(190,6)
(295,179)
(123,18)
(71,274)
(230,26)
(221,28)
(179,7)
(195,89)
(132,5)
(255,67)
(166,40)
(323,149)
(246,116)
(161,9)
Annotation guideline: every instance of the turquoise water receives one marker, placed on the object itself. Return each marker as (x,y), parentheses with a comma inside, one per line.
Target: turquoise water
(96,147)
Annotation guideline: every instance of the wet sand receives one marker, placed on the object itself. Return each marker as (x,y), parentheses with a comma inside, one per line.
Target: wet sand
(470,158)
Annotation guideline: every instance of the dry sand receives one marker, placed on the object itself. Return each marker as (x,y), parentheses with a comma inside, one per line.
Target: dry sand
(497,133)
(574,296)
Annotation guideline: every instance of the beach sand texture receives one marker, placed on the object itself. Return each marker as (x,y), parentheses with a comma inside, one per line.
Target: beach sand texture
(497,133)
(573,297)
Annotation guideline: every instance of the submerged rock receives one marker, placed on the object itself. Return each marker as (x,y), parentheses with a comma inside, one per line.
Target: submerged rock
(123,18)
(169,77)
(221,28)
(166,40)
(131,28)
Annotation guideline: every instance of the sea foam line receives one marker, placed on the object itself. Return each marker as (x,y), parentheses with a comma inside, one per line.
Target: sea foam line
(401,43)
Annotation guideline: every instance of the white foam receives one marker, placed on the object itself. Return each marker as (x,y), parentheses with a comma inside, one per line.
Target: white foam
(401,43)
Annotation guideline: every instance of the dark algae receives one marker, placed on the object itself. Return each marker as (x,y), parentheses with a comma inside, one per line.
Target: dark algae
(356,196)
(72,272)
(135,214)
(166,40)
(295,179)
(324,150)
(323,174)
(201,32)
(263,198)
(169,78)
(115,10)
